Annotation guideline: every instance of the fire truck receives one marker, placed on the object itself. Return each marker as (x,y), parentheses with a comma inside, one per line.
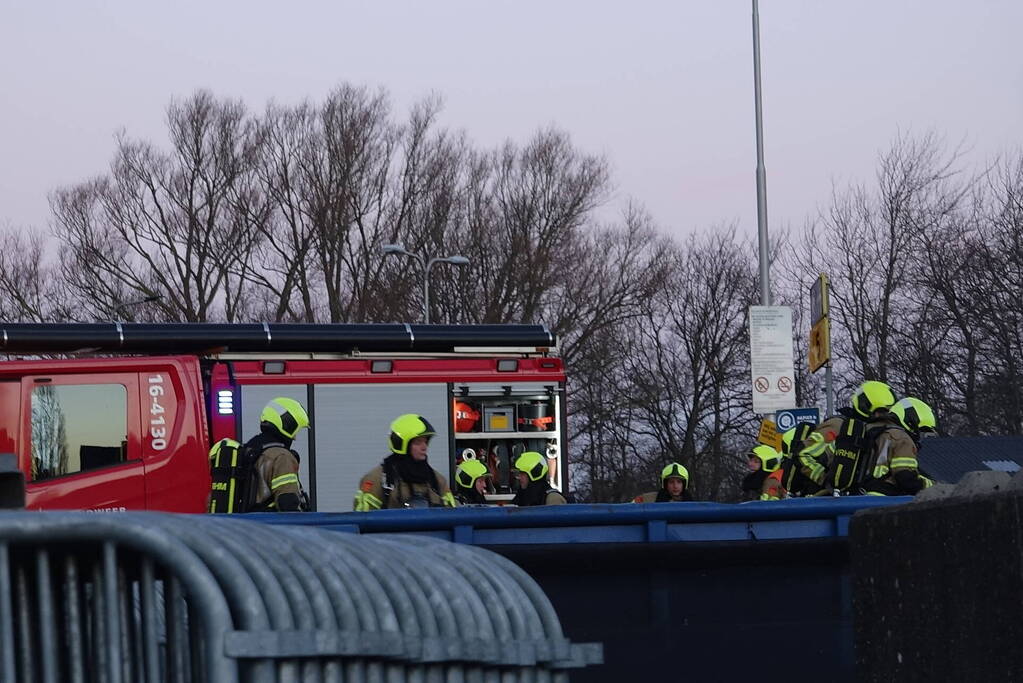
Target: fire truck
(121,416)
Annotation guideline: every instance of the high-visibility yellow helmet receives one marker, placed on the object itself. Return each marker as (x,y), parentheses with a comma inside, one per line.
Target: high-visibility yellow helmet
(286,414)
(793,437)
(533,464)
(675,470)
(405,428)
(914,415)
(769,458)
(469,471)
(872,396)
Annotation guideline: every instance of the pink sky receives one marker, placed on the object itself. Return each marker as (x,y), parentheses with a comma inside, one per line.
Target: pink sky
(663,89)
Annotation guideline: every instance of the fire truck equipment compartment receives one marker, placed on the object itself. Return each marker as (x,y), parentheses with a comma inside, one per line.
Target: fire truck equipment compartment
(499,418)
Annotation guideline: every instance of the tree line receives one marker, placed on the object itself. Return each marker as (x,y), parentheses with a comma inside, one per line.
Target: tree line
(280,214)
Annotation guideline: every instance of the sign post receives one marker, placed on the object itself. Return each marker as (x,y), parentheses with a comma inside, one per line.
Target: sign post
(820,335)
(773,372)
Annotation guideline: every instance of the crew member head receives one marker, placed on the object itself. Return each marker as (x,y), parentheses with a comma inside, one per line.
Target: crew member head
(284,418)
(792,439)
(410,435)
(873,399)
(764,458)
(531,467)
(915,416)
(675,479)
(471,478)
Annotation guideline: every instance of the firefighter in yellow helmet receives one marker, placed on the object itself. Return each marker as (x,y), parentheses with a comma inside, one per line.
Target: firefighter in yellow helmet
(405,479)
(471,477)
(764,480)
(896,470)
(674,487)
(534,488)
(835,455)
(793,480)
(274,484)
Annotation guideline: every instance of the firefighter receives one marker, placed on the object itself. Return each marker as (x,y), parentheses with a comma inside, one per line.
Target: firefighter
(405,479)
(834,454)
(534,488)
(896,472)
(471,482)
(674,487)
(794,481)
(274,477)
(764,480)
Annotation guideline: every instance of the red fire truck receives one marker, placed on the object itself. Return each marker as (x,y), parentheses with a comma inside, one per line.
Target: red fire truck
(121,416)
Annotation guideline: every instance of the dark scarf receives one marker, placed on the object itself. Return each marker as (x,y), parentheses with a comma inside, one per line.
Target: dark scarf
(470,496)
(754,481)
(664,497)
(411,471)
(534,494)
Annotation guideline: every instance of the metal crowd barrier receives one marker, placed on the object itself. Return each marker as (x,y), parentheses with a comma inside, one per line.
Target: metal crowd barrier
(124,597)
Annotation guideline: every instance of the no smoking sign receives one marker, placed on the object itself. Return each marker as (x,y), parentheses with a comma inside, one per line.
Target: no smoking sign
(762,385)
(785,384)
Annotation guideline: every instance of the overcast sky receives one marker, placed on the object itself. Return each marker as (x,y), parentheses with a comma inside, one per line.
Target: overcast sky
(663,89)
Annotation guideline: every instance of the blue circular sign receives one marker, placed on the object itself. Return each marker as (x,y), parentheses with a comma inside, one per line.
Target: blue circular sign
(786,420)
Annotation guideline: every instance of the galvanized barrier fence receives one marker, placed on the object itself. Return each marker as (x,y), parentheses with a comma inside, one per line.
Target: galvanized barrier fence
(118,598)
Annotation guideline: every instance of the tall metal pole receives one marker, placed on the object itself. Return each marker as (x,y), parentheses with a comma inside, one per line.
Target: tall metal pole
(829,391)
(765,265)
(426,289)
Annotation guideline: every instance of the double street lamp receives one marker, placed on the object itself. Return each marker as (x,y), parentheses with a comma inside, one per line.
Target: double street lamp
(426,263)
(120,308)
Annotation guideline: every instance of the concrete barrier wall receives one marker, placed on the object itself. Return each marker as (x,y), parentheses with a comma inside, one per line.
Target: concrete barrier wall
(938,587)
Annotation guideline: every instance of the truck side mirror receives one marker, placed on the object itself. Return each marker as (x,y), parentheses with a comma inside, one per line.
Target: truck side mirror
(12,482)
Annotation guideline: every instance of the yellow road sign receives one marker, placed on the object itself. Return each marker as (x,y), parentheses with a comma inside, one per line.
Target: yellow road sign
(769,434)
(820,344)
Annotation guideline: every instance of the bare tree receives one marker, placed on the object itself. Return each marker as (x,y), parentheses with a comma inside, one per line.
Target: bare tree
(524,210)
(178,225)
(29,289)
(865,241)
(690,362)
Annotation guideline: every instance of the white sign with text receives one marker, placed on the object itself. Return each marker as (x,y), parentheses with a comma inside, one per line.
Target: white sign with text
(773,373)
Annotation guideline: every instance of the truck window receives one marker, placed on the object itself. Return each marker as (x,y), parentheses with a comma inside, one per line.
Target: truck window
(77,427)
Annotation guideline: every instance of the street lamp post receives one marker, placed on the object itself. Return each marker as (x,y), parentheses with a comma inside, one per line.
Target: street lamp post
(426,264)
(765,263)
(129,304)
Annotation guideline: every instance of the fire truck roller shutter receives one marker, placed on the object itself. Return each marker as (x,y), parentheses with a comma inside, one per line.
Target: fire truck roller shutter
(254,399)
(352,423)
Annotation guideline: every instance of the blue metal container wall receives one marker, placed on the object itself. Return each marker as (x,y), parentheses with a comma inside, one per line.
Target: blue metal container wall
(696,591)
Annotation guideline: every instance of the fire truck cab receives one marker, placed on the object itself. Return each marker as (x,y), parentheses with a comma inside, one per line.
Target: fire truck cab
(124,417)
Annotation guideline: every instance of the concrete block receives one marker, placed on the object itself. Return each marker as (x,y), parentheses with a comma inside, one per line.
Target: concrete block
(935,492)
(1017,482)
(936,588)
(981,482)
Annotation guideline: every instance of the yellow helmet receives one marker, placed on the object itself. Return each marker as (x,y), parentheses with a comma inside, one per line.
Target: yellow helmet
(287,415)
(469,471)
(872,396)
(405,428)
(769,458)
(533,464)
(914,415)
(791,438)
(675,470)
